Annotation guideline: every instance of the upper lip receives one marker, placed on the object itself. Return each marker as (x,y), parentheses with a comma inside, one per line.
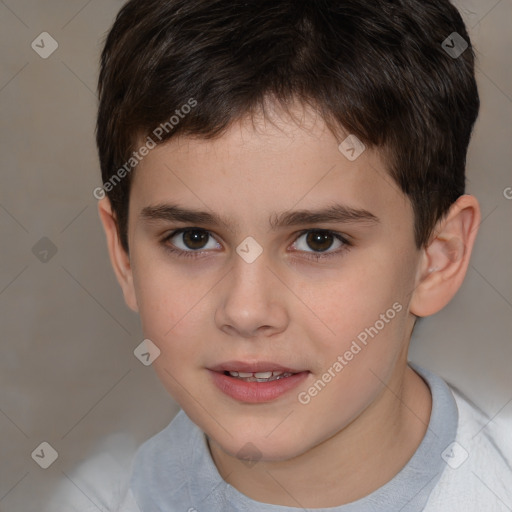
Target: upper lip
(254,367)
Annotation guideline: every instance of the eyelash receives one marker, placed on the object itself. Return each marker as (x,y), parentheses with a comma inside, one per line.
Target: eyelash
(314,256)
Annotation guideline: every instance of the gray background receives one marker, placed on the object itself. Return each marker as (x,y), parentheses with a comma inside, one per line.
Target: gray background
(68,375)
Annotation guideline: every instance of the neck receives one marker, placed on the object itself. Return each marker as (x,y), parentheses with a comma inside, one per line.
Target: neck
(377,445)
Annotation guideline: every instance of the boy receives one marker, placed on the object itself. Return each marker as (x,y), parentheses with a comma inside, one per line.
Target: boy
(285,186)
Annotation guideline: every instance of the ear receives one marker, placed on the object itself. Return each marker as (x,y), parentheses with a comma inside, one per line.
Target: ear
(444,261)
(118,256)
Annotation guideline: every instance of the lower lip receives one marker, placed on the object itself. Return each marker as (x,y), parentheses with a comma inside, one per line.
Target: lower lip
(256,392)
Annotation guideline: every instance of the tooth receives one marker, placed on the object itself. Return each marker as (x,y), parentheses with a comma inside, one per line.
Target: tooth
(233,374)
(274,374)
(263,375)
(244,374)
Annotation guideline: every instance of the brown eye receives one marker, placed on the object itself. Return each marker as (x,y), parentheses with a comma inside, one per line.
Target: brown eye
(319,240)
(190,241)
(321,243)
(195,239)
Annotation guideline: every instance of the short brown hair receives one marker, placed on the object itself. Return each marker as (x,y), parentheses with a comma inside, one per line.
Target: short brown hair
(376,69)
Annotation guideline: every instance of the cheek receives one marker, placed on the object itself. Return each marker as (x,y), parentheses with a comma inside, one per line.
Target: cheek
(357,300)
(163,292)
(365,309)
(170,308)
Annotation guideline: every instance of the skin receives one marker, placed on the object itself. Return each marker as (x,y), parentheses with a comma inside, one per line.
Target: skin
(288,307)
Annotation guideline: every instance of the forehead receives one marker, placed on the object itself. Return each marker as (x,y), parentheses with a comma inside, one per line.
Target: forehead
(263,165)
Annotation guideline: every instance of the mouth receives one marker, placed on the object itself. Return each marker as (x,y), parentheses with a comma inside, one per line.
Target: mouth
(267,376)
(256,382)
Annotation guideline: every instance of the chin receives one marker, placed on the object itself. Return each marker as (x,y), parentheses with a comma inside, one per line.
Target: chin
(260,448)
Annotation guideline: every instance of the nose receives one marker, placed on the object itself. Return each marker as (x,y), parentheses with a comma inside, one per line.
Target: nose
(252,301)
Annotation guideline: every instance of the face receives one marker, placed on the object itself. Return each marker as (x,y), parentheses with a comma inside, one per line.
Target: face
(302,263)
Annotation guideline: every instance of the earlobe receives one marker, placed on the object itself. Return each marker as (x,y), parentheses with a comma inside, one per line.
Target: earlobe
(445,259)
(118,257)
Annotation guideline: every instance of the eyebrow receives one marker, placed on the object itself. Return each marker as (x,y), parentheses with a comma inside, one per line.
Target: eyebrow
(336,213)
